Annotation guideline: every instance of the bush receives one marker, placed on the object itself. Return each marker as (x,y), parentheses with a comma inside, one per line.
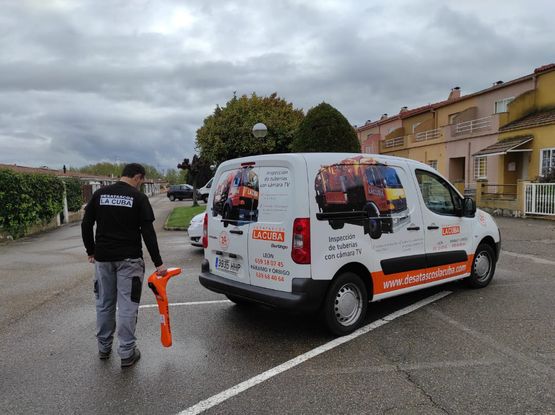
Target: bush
(325,129)
(74,194)
(28,199)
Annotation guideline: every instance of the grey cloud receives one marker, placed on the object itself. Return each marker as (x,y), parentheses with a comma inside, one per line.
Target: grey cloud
(84,82)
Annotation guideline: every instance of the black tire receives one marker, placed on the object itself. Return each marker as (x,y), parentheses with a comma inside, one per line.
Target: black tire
(172,198)
(238,300)
(205,199)
(335,224)
(483,267)
(375,225)
(345,305)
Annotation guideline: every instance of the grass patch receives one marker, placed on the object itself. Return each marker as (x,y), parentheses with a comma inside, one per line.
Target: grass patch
(181,216)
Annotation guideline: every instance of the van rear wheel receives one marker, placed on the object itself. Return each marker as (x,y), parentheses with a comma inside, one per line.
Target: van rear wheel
(345,304)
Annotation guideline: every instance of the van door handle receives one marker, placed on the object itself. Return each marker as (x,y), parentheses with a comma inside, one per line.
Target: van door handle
(236,231)
(413,228)
(432,227)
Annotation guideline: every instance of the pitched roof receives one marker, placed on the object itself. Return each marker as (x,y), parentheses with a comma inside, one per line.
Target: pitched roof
(54,172)
(532,120)
(439,104)
(504,146)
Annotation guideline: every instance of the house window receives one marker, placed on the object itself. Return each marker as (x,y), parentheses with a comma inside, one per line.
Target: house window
(432,164)
(452,118)
(547,160)
(501,105)
(415,126)
(480,168)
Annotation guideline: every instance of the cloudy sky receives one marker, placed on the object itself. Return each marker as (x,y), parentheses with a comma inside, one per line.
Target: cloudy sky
(84,81)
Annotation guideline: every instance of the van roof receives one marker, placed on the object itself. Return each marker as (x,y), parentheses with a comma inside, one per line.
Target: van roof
(308,156)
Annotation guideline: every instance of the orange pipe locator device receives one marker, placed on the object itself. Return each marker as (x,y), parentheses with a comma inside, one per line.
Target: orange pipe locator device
(158,284)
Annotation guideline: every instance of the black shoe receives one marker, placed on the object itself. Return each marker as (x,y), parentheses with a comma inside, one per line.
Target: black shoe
(130,361)
(104,355)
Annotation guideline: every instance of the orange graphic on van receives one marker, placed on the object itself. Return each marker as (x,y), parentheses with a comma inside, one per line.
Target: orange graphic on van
(268,235)
(236,197)
(450,230)
(360,191)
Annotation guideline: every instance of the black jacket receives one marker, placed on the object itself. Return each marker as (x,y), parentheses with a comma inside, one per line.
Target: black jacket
(122,214)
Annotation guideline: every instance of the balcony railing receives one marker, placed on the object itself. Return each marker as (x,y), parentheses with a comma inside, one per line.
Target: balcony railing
(474,126)
(394,142)
(428,135)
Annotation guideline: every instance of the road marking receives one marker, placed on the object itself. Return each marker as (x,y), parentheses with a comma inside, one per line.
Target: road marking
(243,386)
(189,303)
(532,258)
(405,367)
(505,350)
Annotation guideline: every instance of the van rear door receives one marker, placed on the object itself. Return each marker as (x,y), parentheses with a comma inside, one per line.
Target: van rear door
(230,215)
(283,198)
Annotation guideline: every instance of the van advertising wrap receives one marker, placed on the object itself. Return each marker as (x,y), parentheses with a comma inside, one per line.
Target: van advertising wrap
(236,197)
(335,231)
(360,191)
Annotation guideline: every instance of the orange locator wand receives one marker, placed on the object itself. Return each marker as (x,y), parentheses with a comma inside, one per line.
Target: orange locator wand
(158,284)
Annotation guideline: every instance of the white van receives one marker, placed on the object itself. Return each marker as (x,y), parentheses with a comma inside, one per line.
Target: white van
(333,231)
(204,191)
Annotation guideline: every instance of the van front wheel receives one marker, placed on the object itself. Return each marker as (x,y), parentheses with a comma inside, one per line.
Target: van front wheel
(345,304)
(483,267)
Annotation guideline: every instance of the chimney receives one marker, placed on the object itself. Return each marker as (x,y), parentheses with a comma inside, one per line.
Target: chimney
(383,117)
(455,93)
(403,109)
(497,83)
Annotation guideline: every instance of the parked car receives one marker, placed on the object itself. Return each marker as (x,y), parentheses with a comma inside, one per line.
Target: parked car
(332,232)
(181,191)
(195,229)
(205,190)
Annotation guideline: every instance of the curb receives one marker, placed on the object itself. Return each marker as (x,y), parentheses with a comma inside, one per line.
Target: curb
(174,228)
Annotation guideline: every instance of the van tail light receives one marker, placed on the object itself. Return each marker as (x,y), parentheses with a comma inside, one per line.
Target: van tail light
(205,232)
(301,241)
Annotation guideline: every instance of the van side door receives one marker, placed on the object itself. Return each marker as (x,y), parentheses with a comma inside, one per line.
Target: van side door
(447,232)
(399,252)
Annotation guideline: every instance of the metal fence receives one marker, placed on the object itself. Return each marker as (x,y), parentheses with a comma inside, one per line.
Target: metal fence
(540,199)
(468,127)
(428,135)
(394,142)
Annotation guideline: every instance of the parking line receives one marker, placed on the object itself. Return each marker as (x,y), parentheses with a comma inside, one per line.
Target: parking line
(243,386)
(189,303)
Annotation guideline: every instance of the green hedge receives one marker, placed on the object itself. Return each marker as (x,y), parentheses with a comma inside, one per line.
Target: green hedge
(74,194)
(28,199)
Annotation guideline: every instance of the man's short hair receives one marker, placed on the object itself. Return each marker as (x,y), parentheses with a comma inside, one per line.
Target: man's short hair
(132,169)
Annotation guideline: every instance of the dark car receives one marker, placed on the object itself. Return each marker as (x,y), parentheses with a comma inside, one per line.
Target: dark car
(181,191)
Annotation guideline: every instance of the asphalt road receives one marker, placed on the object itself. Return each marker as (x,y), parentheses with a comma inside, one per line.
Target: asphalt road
(470,352)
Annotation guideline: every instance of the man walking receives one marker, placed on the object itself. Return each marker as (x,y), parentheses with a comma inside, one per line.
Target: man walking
(122,214)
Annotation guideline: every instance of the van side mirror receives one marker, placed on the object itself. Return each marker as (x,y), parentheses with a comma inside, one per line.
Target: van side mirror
(469,207)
